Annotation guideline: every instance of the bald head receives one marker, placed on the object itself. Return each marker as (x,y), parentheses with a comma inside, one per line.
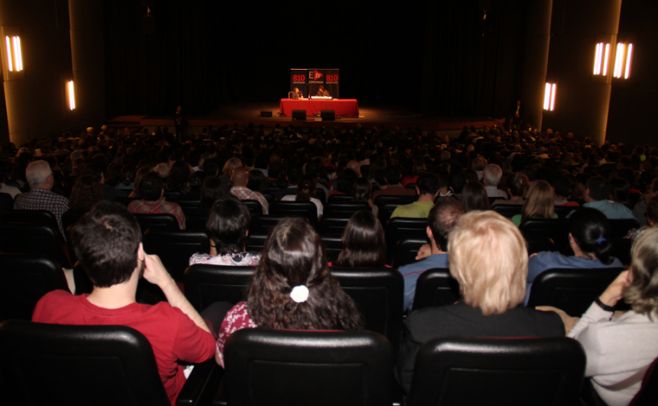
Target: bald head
(39,175)
(240,176)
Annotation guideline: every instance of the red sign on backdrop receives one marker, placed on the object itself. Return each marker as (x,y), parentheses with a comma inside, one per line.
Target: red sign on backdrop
(315,75)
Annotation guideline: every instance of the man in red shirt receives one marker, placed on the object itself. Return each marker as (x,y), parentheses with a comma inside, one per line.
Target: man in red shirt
(107,242)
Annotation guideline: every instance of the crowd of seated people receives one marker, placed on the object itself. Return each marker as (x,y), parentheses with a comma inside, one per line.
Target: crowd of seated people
(218,167)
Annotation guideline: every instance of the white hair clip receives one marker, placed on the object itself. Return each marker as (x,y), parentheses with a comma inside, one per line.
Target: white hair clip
(299,293)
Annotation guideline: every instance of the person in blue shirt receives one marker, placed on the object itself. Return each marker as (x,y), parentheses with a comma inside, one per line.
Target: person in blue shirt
(589,241)
(440,222)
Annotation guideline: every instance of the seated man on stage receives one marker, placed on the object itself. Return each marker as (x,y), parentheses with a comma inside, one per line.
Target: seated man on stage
(323,92)
(295,93)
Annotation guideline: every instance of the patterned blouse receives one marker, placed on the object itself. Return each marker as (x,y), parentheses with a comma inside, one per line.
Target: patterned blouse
(236,319)
(232,259)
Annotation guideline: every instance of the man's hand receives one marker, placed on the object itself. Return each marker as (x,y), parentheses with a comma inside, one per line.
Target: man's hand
(155,272)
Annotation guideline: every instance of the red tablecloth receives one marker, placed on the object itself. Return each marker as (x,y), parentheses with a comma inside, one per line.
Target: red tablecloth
(342,107)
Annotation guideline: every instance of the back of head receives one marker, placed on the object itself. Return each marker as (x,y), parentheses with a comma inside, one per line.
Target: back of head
(87,190)
(361,190)
(293,258)
(427,183)
(392,175)
(540,201)
(106,240)
(598,188)
(489,259)
(474,197)
(228,225)
(363,240)
(519,184)
(492,175)
(213,188)
(443,218)
(37,174)
(151,187)
(642,293)
(230,165)
(240,176)
(589,228)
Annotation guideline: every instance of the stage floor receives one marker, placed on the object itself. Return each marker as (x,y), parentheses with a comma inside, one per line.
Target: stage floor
(251,113)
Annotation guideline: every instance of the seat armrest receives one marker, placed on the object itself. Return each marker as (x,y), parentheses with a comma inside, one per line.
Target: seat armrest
(201,384)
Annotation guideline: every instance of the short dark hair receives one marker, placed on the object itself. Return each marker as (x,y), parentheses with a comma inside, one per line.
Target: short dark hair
(589,227)
(363,241)
(598,188)
(427,183)
(474,197)
(293,255)
(151,186)
(228,224)
(106,240)
(442,219)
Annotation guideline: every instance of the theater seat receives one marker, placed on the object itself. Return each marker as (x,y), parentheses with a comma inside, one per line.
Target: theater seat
(436,287)
(49,364)
(205,284)
(301,368)
(157,222)
(494,371)
(572,290)
(24,279)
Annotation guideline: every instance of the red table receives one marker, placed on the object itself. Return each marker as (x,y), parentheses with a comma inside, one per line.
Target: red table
(342,107)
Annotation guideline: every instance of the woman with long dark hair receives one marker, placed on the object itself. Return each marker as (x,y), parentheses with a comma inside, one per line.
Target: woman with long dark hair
(363,241)
(292,288)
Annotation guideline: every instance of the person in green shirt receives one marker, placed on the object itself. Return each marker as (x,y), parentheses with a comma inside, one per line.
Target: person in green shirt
(426,187)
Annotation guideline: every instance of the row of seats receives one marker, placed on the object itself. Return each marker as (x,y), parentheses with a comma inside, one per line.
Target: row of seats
(42,363)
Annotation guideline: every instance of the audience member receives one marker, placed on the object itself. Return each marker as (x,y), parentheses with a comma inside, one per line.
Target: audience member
(619,349)
(150,191)
(41,197)
(442,219)
(292,288)
(589,241)
(426,188)
(363,242)
(228,229)
(597,196)
(491,177)
(488,257)
(107,242)
(539,203)
(474,197)
(240,190)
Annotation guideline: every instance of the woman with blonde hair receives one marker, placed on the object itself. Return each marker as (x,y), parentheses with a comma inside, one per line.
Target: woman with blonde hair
(539,203)
(488,257)
(619,350)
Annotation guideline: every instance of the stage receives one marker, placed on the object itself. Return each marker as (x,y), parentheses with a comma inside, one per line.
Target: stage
(242,114)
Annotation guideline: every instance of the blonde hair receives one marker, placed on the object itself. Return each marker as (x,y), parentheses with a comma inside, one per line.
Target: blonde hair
(540,201)
(641,293)
(489,259)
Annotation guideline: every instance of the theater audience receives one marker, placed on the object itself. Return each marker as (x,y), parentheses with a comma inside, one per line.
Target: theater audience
(442,219)
(619,349)
(589,240)
(304,193)
(488,257)
(228,229)
(364,244)
(150,191)
(291,289)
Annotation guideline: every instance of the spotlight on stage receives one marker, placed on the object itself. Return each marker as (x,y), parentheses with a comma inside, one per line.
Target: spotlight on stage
(299,115)
(328,115)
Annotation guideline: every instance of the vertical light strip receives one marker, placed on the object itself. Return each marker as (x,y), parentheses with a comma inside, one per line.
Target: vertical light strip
(70,94)
(598,55)
(629,55)
(18,55)
(606,57)
(619,59)
(10,64)
(549,96)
